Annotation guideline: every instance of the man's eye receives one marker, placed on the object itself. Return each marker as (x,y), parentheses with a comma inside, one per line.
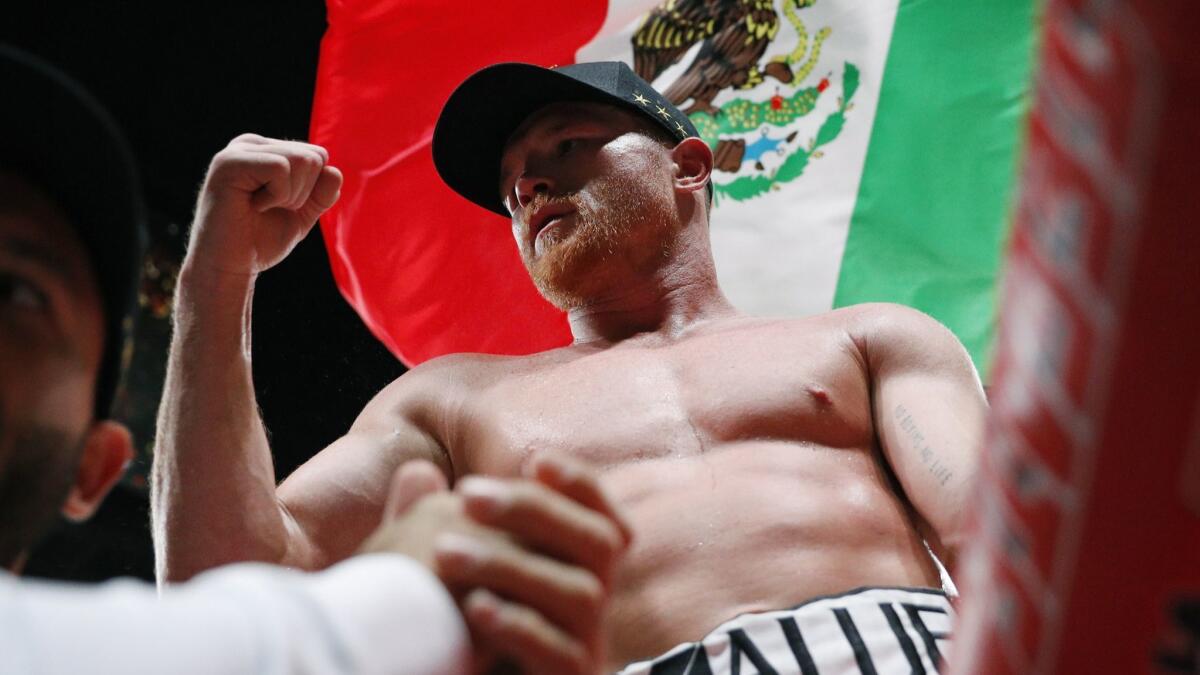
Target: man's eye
(565,147)
(16,292)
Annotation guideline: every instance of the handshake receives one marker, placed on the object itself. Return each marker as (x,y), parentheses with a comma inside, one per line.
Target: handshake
(528,560)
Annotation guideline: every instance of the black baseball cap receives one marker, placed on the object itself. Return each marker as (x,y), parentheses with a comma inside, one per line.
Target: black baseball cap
(56,136)
(484,111)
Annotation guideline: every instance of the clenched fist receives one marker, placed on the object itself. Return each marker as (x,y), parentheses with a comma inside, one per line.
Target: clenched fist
(260,198)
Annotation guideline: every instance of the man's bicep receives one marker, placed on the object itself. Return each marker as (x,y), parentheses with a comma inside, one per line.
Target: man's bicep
(930,432)
(335,499)
(929,414)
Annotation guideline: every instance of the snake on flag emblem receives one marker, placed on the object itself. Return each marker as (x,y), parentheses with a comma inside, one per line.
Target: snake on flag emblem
(762,136)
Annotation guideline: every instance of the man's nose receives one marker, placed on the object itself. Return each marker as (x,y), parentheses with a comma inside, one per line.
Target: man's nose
(529,186)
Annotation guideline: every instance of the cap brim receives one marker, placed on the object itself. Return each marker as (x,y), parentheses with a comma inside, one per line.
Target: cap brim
(482,114)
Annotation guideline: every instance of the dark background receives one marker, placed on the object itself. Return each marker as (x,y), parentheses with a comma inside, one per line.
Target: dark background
(182,79)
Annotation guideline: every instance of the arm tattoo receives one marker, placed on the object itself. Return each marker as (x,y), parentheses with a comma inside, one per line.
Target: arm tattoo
(928,457)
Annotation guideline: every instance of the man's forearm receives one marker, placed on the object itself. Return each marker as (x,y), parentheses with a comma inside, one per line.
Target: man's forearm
(213,491)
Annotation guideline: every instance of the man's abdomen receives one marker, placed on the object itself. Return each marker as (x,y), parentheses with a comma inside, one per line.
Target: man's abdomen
(748,527)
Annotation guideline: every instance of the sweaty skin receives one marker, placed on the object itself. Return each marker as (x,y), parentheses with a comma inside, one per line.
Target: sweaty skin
(751,481)
(759,462)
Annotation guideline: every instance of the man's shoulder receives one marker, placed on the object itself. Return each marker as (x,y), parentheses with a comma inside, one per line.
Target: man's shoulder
(901,334)
(420,394)
(878,310)
(457,366)
(871,329)
(463,371)
(860,319)
(444,373)
(880,320)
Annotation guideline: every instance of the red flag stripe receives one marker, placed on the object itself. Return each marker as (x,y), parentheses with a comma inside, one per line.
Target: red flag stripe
(429,273)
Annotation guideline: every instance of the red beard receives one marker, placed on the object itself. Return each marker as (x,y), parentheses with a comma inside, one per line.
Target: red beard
(616,228)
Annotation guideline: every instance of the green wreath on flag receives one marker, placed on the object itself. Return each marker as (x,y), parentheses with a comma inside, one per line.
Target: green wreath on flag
(741,116)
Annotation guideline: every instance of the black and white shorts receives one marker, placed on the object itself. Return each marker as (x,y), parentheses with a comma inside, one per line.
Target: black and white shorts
(867,630)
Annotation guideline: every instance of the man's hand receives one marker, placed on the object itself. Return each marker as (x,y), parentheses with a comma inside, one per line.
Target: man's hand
(260,198)
(529,560)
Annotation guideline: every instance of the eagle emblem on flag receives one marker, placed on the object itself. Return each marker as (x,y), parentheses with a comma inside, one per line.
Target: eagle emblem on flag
(759,133)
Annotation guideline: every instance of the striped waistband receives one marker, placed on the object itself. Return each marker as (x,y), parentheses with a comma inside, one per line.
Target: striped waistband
(867,630)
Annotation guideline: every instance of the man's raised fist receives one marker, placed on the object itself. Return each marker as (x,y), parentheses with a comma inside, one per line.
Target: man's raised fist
(260,198)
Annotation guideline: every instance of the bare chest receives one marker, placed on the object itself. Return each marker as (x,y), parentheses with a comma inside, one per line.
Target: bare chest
(695,396)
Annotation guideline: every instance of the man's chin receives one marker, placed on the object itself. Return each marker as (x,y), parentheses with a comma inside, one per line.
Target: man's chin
(562,295)
(35,482)
(576,264)
(567,284)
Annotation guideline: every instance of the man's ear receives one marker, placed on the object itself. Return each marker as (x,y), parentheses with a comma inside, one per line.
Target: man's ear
(693,164)
(107,450)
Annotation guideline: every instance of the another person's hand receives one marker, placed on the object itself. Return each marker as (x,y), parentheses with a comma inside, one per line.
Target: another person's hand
(260,198)
(530,560)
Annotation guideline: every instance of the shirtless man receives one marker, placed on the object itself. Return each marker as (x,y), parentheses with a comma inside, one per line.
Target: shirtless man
(761,462)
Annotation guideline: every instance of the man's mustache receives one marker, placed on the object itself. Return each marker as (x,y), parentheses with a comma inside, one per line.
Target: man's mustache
(542,200)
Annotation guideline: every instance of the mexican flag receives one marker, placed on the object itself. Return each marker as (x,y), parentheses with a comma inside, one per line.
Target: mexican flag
(865,151)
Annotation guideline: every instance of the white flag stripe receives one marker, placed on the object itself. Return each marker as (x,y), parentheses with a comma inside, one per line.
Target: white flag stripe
(780,253)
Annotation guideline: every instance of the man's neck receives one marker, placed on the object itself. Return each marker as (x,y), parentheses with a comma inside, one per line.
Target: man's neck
(669,304)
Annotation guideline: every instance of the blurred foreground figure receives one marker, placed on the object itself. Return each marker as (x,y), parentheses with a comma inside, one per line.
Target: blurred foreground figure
(1085,550)
(70,249)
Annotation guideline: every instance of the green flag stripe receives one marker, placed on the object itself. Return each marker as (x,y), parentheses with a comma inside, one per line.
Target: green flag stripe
(933,206)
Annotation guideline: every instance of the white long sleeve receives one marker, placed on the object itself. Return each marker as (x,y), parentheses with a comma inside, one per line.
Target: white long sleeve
(372,614)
